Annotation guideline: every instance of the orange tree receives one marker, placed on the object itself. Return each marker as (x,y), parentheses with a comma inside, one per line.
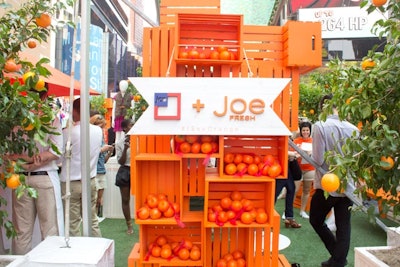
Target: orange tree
(368,95)
(24,118)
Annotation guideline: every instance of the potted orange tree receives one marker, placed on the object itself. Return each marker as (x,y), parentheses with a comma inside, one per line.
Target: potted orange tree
(21,123)
(368,95)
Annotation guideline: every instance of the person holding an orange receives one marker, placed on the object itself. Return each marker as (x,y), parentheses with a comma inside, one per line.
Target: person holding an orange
(304,141)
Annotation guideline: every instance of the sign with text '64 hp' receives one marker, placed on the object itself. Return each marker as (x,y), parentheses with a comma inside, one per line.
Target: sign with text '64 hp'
(210,106)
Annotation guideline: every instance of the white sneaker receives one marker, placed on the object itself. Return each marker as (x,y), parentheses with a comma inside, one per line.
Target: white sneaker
(304,215)
(283,216)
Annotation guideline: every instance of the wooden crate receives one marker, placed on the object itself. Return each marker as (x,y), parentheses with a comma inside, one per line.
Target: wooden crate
(255,243)
(260,191)
(304,37)
(169,9)
(157,175)
(208,32)
(276,146)
(192,231)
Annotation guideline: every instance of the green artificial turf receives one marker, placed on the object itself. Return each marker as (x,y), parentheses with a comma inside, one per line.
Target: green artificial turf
(305,248)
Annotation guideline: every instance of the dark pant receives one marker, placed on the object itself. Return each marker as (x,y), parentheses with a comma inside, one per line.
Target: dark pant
(338,246)
(290,191)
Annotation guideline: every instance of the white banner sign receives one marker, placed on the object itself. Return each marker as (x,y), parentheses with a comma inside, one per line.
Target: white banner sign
(210,106)
(342,22)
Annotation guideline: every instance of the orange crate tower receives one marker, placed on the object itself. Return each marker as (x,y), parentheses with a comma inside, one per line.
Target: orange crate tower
(263,52)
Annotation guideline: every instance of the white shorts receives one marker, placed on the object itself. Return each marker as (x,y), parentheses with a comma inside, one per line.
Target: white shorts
(101,181)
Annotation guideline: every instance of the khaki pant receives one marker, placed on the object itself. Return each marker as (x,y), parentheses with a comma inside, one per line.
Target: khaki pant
(25,210)
(75,209)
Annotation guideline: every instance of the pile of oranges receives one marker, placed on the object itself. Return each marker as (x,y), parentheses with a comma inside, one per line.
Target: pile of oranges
(184,250)
(240,164)
(157,206)
(235,208)
(195,144)
(217,53)
(234,259)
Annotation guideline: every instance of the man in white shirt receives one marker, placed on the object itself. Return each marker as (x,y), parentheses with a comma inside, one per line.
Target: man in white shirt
(95,139)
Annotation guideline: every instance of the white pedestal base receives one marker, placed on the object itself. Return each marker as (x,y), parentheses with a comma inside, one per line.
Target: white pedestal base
(83,252)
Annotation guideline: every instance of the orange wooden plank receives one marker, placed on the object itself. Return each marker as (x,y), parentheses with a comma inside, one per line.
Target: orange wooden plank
(146,67)
(133,258)
(169,9)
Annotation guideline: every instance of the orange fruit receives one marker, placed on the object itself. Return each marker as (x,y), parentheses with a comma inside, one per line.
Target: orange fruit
(206,148)
(212,217)
(224,55)
(261,217)
(192,138)
(269,160)
(185,147)
(13,181)
(237,254)
(236,195)
(388,160)
(247,204)
(230,214)
(214,55)
(179,139)
(236,205)
(330,182)
(166,252)
(226,203)
(242,168)
(228,158)
(231,263)
(176,207)
(274,170)
(44,20)
(248,159)
(27,75)
(156,251)
(222,217)
(228,257)
(221,48)
(161,240)
(183,254)
(169,213)
(252,169)
(379,3)
(246,218)
(241,262)
(143,213)
(152,200)
(31,44)
(256,159)
(221,263)
(163,205)
(206,138)
(195,148)
(155,214)
(39,86)
(11,66)
(195,254)
(238,158)
(183,54)
(230,169)
(367,64)
(193,54)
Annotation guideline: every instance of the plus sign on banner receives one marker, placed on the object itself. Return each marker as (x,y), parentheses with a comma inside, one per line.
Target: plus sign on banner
(210,106)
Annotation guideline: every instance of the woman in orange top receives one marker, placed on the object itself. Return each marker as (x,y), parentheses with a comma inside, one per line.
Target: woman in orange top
(304,141)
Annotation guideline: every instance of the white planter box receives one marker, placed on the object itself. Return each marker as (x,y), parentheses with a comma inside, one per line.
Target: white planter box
(12,260)
(363,258)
